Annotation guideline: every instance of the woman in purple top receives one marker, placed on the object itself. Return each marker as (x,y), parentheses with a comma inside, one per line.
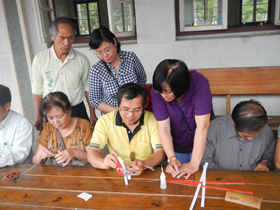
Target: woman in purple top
(182,105)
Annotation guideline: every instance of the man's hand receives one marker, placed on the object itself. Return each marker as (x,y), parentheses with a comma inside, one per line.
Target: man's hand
(136,168)
(173,167)
(93,119)
(39,123)
(111,160)
(65,156)
(262,166)
(187,169)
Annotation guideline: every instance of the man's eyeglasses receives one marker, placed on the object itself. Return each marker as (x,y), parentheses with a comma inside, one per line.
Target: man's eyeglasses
(106,51)
(136,112)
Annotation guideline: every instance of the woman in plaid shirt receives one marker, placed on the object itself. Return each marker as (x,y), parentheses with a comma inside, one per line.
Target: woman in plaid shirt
(114,69)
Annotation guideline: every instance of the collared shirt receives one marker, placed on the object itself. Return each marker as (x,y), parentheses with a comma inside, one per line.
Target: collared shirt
(108,130)
(50,74)
(130,134)
(16,135)
(225,150)
(104,88)
(197,101)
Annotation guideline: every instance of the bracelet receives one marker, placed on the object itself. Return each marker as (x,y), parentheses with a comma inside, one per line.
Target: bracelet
(169,159)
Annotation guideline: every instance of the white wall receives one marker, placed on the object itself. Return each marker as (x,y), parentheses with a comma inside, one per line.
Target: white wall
(7,74)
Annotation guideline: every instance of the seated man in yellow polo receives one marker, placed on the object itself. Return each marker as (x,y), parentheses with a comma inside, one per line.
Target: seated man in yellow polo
(130,133)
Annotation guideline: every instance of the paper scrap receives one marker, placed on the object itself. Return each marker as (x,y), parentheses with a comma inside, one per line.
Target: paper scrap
(84,196)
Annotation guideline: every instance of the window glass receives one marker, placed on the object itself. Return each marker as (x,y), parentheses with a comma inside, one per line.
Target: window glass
(254,11)
(88,17)
(200,14)
(122,15)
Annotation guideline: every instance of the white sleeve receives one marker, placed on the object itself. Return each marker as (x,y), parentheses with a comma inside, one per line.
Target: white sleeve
(18,151)
(37,78)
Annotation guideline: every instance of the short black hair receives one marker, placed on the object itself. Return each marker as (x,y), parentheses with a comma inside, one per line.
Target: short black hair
(53,27)
(131,91)
(175,73)
(5,95)
(100,35)
(57,98)
(249,116)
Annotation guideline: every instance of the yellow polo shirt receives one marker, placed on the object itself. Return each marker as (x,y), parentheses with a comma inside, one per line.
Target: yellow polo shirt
(109,131)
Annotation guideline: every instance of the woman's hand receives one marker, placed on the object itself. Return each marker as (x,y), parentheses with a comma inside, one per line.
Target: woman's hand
(173,167)
(65,156)
(41,154)
(187,169)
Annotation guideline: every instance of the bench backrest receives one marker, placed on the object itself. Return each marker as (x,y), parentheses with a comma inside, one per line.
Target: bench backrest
(243,81)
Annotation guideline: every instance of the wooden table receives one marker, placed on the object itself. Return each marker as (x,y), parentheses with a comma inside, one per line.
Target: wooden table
(54,187)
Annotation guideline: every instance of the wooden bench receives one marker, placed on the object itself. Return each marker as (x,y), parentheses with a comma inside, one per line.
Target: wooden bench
(245,81)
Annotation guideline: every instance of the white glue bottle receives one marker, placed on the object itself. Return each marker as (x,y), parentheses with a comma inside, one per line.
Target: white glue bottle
(162,179)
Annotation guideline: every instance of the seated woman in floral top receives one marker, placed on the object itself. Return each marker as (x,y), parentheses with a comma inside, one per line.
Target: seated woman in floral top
(75,133)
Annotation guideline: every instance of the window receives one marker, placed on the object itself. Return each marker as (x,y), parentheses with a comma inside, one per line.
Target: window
(117,15)
(254,11)
(277,13)
(197,15)
(88,17)
(121,17)
(44,16)
(202,17)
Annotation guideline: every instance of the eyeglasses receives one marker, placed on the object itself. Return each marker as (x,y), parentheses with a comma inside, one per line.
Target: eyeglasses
(165,94)
(126,111)
(168,95)
(106,51)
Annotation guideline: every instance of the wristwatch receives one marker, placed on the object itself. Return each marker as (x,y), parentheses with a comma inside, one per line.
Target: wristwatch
(169,159)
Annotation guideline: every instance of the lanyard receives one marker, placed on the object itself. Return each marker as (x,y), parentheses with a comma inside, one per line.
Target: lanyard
(60,139)
(132,153)
(185,119)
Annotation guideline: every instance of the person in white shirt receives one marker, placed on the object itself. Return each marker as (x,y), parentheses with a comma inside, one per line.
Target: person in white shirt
(16,133)
(61,68)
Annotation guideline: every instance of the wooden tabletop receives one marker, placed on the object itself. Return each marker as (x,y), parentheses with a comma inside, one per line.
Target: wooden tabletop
(54,187)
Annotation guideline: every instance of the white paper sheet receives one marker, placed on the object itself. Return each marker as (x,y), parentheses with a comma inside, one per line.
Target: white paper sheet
(84,196)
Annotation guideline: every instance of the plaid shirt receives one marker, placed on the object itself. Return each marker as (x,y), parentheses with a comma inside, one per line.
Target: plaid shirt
(104,88)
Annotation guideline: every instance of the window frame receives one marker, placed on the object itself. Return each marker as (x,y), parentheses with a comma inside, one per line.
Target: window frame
(44,38)
(111,19)
(277,13)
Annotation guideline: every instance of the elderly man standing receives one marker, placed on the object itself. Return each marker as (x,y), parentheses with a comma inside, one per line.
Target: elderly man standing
(16,133)
(130,133)
(241,141)
(61,68)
